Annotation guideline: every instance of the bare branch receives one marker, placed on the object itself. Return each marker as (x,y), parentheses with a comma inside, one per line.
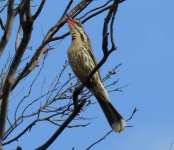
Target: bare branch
(23,132)
(39,10)
(2,8)
(82,8)
(9,23)
(96,13)
(133,113)
(112,28)
(2,25)
(111,12)
(97,8)
(64,125)
(17,37)
(27,28)
(28,11)
(67,8)
(98,141)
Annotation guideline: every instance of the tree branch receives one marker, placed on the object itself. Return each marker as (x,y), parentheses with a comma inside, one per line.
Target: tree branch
(39,10)
(61,128)
(9,24)
(133,113)
(2,25)
(99,140)
(27,28)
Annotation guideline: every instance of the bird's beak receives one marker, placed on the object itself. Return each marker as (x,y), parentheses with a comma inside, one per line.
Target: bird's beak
(70,20)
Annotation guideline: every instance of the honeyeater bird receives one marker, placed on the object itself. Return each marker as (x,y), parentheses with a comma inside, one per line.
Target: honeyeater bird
(82,62)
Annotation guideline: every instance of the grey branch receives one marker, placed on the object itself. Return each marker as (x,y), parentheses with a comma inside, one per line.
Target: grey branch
(99,140)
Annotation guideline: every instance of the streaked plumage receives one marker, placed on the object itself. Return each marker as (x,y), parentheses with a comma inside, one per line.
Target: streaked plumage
(82,61)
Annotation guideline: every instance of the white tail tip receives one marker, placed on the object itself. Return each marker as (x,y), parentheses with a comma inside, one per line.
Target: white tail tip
(119,126)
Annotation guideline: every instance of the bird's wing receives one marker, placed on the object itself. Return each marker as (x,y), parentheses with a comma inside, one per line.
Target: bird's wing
(93,58)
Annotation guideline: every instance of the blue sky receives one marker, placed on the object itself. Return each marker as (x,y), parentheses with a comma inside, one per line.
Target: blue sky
(144,33)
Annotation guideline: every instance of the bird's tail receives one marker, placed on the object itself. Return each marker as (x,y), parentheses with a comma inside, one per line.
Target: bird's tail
(114,118)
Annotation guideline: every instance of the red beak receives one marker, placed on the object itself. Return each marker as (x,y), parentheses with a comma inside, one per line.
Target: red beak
(71,21)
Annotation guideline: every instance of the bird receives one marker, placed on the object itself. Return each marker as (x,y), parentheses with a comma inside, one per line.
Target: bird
(82,62)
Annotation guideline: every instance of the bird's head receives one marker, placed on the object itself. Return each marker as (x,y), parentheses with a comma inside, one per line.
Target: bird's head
(76,29)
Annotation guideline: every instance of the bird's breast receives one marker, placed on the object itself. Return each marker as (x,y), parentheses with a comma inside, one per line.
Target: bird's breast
(81,62)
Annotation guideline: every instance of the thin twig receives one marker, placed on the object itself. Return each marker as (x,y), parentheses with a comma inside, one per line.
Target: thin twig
(97,8)
(66,9)
(61,128)
(99,140)
(133,113)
